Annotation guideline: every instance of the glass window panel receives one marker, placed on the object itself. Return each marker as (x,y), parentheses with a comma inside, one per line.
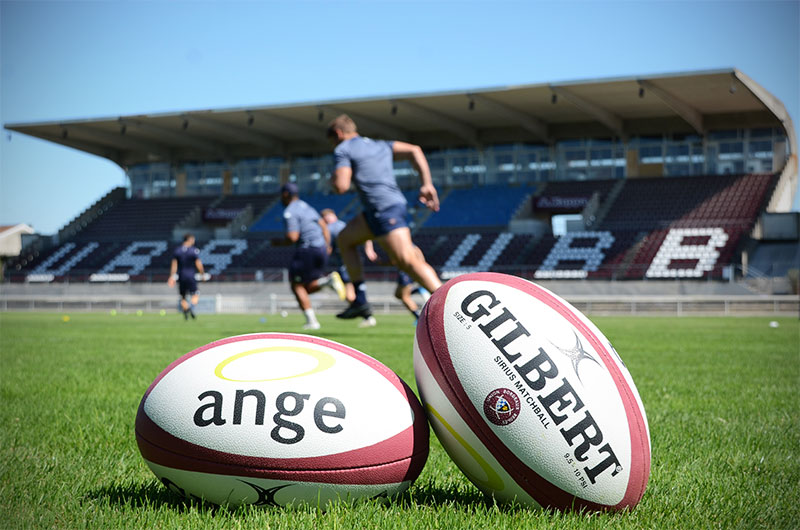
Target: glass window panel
(723,135)
(761,133)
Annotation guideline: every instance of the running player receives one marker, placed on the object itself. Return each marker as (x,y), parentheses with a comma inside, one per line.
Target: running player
(185,263)
(306,230)
(369,165)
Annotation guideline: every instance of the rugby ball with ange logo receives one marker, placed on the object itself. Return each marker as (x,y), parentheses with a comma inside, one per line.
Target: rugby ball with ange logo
(529,398)
(276,419)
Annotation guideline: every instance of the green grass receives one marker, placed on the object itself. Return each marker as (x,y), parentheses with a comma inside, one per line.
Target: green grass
(721,397)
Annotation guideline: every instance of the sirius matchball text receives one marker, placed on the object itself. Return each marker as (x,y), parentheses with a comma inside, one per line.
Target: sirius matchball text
(540,375)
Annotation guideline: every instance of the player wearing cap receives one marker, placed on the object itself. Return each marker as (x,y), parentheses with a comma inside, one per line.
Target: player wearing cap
(308,232)
(368,164)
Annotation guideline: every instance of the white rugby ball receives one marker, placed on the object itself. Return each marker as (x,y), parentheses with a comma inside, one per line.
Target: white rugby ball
(528,397)
(274,419)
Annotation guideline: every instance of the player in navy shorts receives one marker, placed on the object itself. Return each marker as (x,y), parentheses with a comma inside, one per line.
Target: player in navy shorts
(369,165)
(185,264)
(308,232)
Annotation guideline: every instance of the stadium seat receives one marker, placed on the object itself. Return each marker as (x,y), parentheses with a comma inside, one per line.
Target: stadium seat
(142,218)
(488,206)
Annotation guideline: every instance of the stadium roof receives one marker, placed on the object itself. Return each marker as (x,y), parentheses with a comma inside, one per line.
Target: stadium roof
(683,103)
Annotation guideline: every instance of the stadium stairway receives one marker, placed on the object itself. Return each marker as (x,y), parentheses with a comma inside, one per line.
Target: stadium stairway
(620,264)
(105,203)
(607,203)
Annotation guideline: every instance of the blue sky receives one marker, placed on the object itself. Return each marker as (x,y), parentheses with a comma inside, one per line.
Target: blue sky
(73,60)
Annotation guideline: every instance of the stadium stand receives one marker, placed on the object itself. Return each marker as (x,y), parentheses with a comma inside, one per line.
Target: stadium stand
(539,252)
(272,219)
(618,255)
(148,218)
(264,256)
(340,204)
(438,247)
(68,257)
(418,213)
(515,251)
(647,204)
(725,203)
(481,206)
(229,207)
(481,248)
(578,188)
(543,191)
(256,201)
(137,256)
(654,228)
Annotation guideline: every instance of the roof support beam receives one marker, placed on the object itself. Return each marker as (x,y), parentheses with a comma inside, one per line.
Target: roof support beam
(527,122)
(684,110)
(176,137)
(464,131)
(607,118)
(315,133)
(126,142)
(378,128)
(240,133)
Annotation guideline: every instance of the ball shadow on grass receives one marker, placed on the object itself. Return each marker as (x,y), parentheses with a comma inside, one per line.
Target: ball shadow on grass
(454,495)
(155,495)
(150,495)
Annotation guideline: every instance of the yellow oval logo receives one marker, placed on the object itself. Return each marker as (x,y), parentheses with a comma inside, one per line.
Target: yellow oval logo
(324,361)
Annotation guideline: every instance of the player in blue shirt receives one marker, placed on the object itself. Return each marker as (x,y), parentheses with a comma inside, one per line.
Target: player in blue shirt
(308,232)
(368,164)
(185,263)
